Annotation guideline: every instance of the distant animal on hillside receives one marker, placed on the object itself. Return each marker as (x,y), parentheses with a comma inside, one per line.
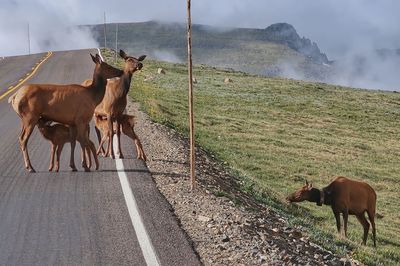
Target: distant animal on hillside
(344,196)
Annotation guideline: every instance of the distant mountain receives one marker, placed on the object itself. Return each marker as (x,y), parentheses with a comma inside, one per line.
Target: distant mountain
(274,51)
(286,34)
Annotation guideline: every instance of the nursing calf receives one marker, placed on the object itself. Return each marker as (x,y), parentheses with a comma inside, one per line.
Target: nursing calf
(126,123)
(58,135)
(345,196)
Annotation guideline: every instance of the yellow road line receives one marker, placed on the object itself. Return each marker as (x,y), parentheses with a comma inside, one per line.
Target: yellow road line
(21,81)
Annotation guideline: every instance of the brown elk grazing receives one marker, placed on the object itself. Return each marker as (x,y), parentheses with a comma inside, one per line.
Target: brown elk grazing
(58,135)
(344,196)
(114,102)
(127,124)
(71,105)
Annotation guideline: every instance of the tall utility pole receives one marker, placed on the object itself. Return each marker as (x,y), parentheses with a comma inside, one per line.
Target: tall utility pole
(105,31)
(116,41)
(29,40)
(191,117)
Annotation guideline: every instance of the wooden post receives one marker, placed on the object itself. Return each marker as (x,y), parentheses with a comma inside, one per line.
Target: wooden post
(105,31)
(29,40)
(191,118)
(116,41)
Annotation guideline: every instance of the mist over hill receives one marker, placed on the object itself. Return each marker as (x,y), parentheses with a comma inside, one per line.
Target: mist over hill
(276,50)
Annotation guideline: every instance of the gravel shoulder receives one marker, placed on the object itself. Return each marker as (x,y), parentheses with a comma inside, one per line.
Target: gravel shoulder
(222,232)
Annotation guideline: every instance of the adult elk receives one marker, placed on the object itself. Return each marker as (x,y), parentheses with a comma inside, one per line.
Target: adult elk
(72,105)
(115,101)
(344,196)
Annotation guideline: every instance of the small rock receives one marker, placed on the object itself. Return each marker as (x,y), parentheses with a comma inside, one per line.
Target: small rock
(228,80)
(225,238)
(202,218)
(160,71)
(194,80)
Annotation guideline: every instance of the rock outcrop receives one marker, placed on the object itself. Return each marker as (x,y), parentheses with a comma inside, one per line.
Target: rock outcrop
(284,33)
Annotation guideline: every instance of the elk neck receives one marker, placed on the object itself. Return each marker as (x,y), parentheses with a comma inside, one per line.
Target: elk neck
(47,131)
(98,87)
(126,81)
(316,196)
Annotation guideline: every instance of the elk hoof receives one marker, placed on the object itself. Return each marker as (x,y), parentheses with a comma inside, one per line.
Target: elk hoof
(121,156)
(87,169)
(31,170)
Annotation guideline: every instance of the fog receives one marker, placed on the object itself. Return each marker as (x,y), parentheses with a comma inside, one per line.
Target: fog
(349,32)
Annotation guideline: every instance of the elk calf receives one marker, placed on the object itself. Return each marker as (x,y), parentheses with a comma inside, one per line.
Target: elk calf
(58,135)
(344,196)
(127,124)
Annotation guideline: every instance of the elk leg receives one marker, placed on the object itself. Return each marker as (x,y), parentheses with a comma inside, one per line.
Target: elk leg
(99,138)
(87,151)
(84,152)
(53,151)
(27,128)
(59,149)
(84,141)
(371,216)
(92,148)
(87,154)
(121,156)
(363,221)
(111,136)
(130,132)
(337,217)
(101,145)
(72,133)
(139,148)
(345,220)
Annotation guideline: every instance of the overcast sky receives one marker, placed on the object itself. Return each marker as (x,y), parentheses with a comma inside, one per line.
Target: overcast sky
(335,25)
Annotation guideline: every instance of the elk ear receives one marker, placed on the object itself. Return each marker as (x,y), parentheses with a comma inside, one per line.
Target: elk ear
(93,58)
(306,183)
(310,186)
(99,58)
(122,54)
(141,58)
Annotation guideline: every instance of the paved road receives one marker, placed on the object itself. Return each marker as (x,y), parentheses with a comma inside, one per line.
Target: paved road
(76,218)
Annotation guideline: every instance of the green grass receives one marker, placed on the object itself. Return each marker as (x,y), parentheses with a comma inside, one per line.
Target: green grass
(275,133)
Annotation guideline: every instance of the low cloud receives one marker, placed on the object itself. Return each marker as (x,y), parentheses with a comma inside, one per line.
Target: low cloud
(50,28)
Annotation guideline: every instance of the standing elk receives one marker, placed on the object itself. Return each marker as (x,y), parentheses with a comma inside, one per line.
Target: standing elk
(115,101)
(344,196)
(71,105)
(127,123)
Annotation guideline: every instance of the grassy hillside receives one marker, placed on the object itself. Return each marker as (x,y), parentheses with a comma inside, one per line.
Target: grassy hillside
(275,133)
(248,50)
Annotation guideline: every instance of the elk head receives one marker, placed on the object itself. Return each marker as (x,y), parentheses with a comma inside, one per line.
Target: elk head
(105,70)
(132,64)
(302,194)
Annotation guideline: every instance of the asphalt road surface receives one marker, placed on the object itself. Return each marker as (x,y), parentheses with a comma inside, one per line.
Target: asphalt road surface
(77,218)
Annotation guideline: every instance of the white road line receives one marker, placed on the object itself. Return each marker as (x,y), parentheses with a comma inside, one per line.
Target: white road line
(102,59)
(149,254)
(148,251)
